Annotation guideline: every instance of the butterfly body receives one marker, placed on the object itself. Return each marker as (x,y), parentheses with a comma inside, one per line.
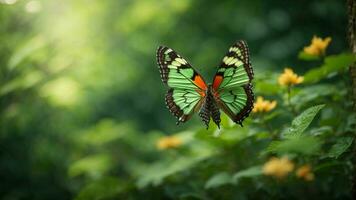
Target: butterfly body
(209,108)
(230,91)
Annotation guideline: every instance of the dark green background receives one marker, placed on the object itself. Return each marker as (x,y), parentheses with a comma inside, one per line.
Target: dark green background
(72,64)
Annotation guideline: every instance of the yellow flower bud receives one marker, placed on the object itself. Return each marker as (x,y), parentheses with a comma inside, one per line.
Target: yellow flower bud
(168,142)
(317,46)
(305,173)
(278,167)
(289,78)
(263,106)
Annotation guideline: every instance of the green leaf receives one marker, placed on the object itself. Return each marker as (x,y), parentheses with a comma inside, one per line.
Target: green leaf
(321,131)
(303,145)
(340,147)
(104,188)
(294,142)
(272,147)
(219,179)
(350,123)
(331,65)
(155,173)
(104,132)
(267,88)
(311,93)
(304,56)
(247,173)
(301,122)
(191,196)
(26,50)
(94,165)
(24,81)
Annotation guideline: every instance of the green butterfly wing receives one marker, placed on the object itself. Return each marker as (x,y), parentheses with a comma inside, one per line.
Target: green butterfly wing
(187,87)
(232,86)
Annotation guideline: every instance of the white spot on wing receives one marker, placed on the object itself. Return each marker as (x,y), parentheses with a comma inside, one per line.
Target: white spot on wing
(238,63)
(182,61)
(172,67)
(232,61)
(168,51)
(234,49)
(175,63)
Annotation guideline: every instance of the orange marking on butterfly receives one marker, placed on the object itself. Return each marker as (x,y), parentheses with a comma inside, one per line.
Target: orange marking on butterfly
(198,80)
(201,92)
(217,81)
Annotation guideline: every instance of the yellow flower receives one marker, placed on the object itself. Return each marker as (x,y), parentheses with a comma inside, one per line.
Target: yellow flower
(305,173)
(278,167)
(317,46)
(168,142)
(289,78)
(263,106)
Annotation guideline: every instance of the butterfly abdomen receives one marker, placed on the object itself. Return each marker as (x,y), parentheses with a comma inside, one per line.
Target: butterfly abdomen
(215,112)
(204,112)
(210,109)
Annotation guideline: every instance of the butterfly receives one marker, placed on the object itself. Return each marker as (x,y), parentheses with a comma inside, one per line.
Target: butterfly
(230,91)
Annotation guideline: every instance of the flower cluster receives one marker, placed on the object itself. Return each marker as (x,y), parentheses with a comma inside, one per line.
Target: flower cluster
(289,78)
(278,167)
(168,142)
(262,105)
(305,173)
(281,167)
(317,46)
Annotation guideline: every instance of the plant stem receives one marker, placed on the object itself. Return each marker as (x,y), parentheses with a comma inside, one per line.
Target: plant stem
(289,103)
(267,126)
(289,94)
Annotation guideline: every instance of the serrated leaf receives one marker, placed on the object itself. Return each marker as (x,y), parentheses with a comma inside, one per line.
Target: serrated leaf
(249,172)
(301,122)
(219,179)
(331,65)
(340,147)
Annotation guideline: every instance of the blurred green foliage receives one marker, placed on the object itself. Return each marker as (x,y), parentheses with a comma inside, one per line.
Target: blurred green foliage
(82,104)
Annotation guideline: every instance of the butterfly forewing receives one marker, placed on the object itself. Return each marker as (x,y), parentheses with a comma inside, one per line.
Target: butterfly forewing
(187,87)
(232,83)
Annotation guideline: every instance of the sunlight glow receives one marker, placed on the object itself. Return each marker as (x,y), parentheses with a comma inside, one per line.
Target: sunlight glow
(9,2)
(33,7)
(62,92)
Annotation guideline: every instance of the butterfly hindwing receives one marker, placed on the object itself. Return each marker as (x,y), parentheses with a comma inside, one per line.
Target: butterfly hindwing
(232,83)
(187,87)
(182,103)
(237,103)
